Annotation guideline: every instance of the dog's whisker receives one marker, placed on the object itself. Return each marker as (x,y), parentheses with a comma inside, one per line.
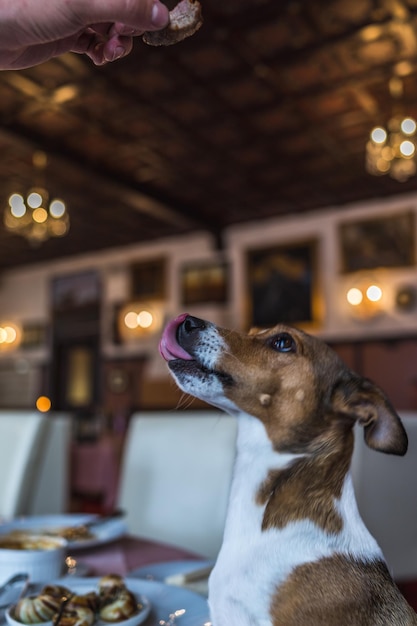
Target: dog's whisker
(185,401)
(233,356)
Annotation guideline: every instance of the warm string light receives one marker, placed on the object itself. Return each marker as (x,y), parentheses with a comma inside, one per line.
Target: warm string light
(393,150)
(365,299)
(137,320)
(10,336)
(43,404)
(143,319)
(355,296)
(33,216)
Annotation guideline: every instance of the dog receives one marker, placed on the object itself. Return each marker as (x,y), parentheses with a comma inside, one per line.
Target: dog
(295,551)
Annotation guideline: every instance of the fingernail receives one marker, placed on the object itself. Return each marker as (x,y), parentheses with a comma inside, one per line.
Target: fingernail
(118,53)
(159,17)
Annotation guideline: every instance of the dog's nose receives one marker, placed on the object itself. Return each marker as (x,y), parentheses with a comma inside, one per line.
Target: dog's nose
(191,325)
(188,330)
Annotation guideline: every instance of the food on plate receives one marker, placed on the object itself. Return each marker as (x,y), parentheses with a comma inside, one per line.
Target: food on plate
(24,541)
(56,591)
(118,606)
(184,20)
(88,601)
(116,601)
(70,533)
(75,616)
(112,602)
(34,610)
(40,608)
(73,533)
(109,582)
(78,610)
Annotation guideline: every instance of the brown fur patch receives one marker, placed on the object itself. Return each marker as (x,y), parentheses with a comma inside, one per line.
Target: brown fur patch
(338,591)
(307,489)
(298,383)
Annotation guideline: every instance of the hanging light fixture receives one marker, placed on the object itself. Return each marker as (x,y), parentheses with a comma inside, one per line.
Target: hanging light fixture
(33,215)
(393,150)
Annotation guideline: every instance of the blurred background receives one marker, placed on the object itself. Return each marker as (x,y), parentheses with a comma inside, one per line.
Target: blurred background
(237,176)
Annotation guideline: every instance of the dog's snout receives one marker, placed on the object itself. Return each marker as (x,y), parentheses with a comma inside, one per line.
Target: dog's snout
(190,326)
(188,332)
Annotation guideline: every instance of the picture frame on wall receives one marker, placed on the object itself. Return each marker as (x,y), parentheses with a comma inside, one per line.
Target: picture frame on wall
(387,242)
(73,291)
(204,283)
(34,336)
(282,285)
(148,279)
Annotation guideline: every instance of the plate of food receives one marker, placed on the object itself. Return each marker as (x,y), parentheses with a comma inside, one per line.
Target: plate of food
(81,530)
(104,601)
(163,604)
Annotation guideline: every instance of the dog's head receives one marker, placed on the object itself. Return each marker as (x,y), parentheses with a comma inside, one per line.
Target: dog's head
(293,382)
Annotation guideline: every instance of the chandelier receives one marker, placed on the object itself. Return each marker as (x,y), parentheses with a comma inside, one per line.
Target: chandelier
(34,215)
(392,150)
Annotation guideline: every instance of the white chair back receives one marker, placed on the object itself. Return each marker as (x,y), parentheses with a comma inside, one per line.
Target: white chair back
(50,492)
(175,477)
(386,492)
(21,439)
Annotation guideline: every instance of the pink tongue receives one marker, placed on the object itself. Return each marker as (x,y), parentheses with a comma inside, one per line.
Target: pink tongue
(169,346)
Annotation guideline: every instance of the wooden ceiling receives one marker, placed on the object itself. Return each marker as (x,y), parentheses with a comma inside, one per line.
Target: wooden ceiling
(265,111)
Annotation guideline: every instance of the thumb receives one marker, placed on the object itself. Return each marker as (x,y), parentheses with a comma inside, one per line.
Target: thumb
(137,14)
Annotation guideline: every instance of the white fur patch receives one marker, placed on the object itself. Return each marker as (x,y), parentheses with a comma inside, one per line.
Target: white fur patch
(355,539)
(209,348)
(207,387)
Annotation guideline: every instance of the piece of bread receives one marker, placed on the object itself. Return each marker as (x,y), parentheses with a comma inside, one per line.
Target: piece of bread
(184,20)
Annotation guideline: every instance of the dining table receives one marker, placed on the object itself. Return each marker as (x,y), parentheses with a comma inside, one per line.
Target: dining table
(124,555)
(144,564)
(137,559)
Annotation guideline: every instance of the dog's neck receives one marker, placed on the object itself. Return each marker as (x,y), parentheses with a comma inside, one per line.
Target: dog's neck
(255,457)
(255,557)
(277,491)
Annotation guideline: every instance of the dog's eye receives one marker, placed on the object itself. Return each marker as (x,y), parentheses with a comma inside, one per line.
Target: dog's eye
(283,343)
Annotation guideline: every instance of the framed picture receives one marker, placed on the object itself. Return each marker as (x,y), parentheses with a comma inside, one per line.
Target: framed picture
(73,291)
(34,336)
(377,242)
(148,279)
(204,283)
(282,285)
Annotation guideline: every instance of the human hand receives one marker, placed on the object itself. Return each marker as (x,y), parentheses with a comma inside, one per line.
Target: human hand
(32,32)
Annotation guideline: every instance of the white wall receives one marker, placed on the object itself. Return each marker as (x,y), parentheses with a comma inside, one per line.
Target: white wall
(338,321)
(24,293)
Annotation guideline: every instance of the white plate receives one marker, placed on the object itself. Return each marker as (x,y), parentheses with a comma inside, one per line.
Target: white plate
(103,533)
(160,571)
(82,586)
(165,601)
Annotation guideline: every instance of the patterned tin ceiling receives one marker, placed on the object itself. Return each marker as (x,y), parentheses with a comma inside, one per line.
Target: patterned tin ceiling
(264,112)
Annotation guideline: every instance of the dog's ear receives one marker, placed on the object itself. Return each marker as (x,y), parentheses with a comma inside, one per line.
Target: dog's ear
(362,401)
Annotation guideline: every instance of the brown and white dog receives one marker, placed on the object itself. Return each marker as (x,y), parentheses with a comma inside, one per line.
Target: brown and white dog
(295,550)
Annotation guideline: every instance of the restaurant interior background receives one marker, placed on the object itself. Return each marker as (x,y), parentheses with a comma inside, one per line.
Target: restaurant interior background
(232,177)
